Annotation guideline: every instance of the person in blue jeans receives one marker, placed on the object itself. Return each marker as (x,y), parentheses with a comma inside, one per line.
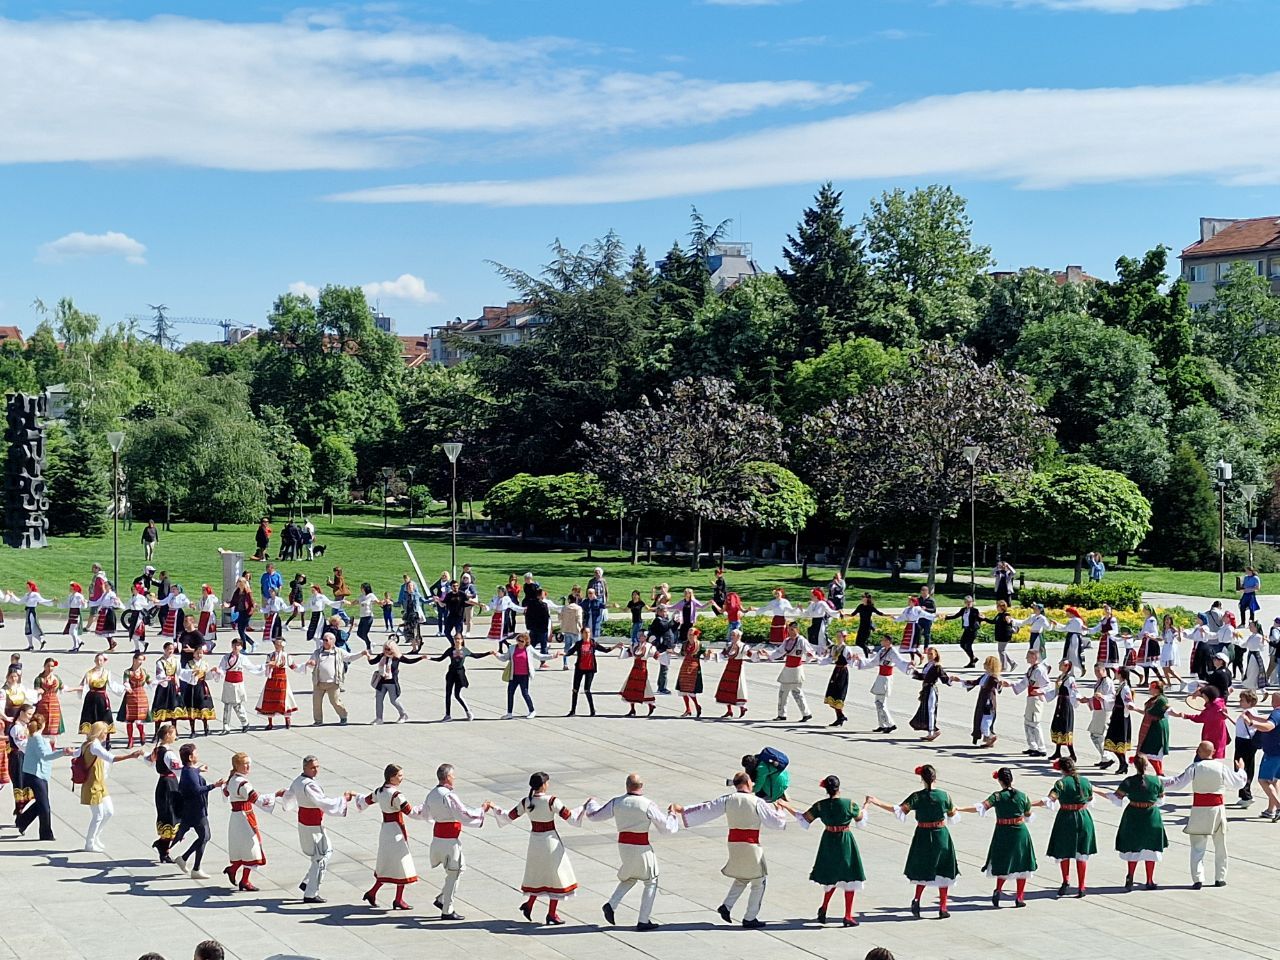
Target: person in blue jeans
(1249,586)
(592,612)
(1267,737)
(637,606)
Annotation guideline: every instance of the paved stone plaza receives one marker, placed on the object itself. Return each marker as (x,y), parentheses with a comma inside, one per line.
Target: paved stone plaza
(62,903)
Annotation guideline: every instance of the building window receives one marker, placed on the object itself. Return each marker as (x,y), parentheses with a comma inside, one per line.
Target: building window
(1199,273)
(1275,268)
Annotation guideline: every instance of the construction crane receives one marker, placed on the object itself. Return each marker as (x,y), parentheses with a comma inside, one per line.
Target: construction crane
(161,325)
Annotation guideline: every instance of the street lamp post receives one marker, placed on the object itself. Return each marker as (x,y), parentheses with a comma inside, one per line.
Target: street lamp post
(1223,475)
(1250,490)
(116,439)
(452,450)
(387,474)
(971,458)
(410,470)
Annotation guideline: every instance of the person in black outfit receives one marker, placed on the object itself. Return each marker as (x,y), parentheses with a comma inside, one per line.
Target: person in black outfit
(585,650)
(970,622)
(537,617)
(719,592)
(864,611)
(924,625)
(1219,677)
(387,679)
(296,608)
(455,675)
(453,607)
(195,810)
(662,634)
(835,592)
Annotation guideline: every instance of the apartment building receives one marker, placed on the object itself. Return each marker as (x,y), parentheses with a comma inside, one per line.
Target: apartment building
(1223,243)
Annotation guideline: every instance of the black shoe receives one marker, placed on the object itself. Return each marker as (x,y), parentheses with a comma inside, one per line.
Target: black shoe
(646,927)
(1153,886)
(438,903)
(915,909)
(995,899)
(1219,883)
(1019,903)
(527,911)
(822,915)
(1197,885)
(724,913)
(1104,764)
(452,916)
(1028,753)
(555,921)
(890,729)
(314,900)
(944,915)
(752,924)
(806,718)
(1128,882)
(879,730)
(1080,893)
(780,717)
(1062,890)
(303,886)
(607,910)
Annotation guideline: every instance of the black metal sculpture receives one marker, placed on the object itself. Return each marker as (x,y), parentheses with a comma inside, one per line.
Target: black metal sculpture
(26,500)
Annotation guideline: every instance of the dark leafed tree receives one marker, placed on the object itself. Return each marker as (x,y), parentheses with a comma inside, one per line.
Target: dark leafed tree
(692,447)
(827,276)
(1142,301)
(627,452)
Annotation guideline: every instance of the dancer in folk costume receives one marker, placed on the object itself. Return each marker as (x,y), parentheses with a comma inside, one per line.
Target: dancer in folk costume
(173,613)
(1128,647)
(1100,701)
(793,652)
(105,606)
(1201,648)
(732,688)
(49,689)
(449,814)
(1003,629)
(547,870)
(1011,855)
(15,699)
(1209,779)
(911,616)
(1253,669)
(31,602)
(1149,646)
(95,689)
(1064,694)
(819,613)
(1140,837)
(1073,836)
(501,605)
(1035,684)
(23,792)
(839,863)
(197,700)
(1037,625)
(210,608)
(689,679)
(745,814)
(1107,631)
(232,669)
(884,660)
(1153,735)
(273,610)
(585,652)
(634,814)
(1170,653)
(931,861)
(985,709)
(638,687)
(781,610)
(1119,738)
(276,699)
(930,674)
(76,605)
(394,864)
(168,766)
(134,617)
(166,701)
(244,842)
(135,705)
(838,655)
(306,795)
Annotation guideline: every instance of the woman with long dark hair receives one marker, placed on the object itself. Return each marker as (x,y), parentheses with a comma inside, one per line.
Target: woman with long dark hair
(455,674)
(931,861)
(394,864)
(984,711)
(930,674)
(168,765)
(1062,728)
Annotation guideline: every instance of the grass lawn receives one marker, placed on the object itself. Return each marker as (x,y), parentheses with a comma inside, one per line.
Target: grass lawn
(357,544)
(1194,583)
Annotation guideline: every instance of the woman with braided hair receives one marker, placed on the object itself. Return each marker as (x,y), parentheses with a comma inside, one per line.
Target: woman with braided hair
(838,864)
(547,870)
(931,861)
(1073,836)
(1011,854)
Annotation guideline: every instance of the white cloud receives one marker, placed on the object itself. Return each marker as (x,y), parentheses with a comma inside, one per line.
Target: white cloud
(304,289)
(405,287)
(81,244)
(1226,132)
(1107,6)
(310,93)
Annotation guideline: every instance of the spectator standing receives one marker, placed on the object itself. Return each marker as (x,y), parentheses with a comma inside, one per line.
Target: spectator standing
(1097,569)
(835,592)
(309,538)
(1005,579)
(328,674)
(262,539)
(1249,586)
(537,616)
(270,580)
(150,536)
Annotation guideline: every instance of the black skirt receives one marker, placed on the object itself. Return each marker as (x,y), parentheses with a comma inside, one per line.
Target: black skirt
(985,707)
(838,685)
(96,707)
(1062,726)
(168,807)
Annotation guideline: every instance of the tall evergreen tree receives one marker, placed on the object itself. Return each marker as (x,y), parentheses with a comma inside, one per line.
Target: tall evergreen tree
(78,475)
(1184,518)
(827,276)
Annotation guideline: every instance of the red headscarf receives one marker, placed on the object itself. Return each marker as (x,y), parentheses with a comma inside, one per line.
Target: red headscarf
(208,590)
(31,586)
(76,588)
(817,594)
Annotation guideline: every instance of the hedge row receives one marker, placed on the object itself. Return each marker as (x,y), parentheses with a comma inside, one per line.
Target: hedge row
(756,629)
(1121,594)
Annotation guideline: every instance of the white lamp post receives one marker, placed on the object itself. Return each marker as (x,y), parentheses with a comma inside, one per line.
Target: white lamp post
(971,458)
(452,451)
(116,439)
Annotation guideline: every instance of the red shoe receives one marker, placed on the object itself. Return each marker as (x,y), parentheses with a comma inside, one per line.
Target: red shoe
(248,887)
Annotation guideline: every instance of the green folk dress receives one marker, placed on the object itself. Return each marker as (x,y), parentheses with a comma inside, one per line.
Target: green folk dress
(1141,834)
(838,864)
(932,857)
(1011,854)
(1154,741)
(1073,836)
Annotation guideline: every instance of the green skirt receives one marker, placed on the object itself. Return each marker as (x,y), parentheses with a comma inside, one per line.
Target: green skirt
(839,863)
(1011,854)
(932,858)
(1141,834)
(1155,742)
(1073,836)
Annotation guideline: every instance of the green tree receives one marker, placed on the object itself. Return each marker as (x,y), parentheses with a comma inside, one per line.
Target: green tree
(1243,309)
(1135,447)
(78,476)
(297,481)
(827,276)
(1018,299)
(842,370)
(778,500)
(17,373)
(333,466)
(1081,508)
(927,273)
(1185,516)
(43,353)
(1143,302)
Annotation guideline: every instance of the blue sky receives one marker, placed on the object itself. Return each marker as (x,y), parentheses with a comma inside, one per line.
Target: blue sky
(211,155)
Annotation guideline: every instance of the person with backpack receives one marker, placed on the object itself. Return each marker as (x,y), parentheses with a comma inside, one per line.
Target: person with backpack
(768,770)
(89,770)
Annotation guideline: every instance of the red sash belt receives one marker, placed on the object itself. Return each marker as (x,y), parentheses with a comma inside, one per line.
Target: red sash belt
(931,824)
(235,676)
(793,661)
(840,829)
(1009,822)
(744,836)
(1073,806)
(634,839)
(886,670)
(447,830)
(1033,691)
(397,818)
(543,826)
(241,806)
(310,816)
(1206,800)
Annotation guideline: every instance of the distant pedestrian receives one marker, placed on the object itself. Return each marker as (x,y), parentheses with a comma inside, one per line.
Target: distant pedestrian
(150,535)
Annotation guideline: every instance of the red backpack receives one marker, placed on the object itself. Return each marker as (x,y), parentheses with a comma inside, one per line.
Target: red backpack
(79,769)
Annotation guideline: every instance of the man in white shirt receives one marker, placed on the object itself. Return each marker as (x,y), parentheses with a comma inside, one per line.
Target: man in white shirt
(449,814)
(634,814)
(309,538)
(312,805)
(1209,780)
(328,671)
(1035,683)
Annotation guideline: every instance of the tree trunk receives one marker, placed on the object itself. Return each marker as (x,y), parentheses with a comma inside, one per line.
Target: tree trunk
(935,530)
(951,563)
(694,566)
(1079,567)
(1122,558)
(849,547)
(635,540)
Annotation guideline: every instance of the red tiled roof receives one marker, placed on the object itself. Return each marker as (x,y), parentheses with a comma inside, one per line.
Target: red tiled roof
(1258,233)
(11,333)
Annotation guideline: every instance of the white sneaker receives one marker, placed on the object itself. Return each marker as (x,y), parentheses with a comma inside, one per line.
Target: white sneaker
(531,714)
(199,875)
(182,864)
(404,718)
(507,716)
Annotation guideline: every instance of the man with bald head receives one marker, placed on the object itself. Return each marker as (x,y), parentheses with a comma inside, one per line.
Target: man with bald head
(634,814)
(1209,780)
